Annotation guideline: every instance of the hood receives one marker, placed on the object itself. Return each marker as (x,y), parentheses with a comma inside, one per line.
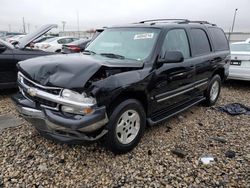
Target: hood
(70,71)
(23,42)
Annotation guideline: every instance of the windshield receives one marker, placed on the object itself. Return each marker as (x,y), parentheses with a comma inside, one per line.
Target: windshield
(130,43)
(240,47)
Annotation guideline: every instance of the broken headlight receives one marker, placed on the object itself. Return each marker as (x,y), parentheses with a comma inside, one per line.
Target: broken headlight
(77,97)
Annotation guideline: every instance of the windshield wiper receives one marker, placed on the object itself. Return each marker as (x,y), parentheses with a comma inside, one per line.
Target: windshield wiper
(111,55)
(89,52)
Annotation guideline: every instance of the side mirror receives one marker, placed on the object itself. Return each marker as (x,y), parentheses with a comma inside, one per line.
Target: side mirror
(172,57)
(2,48)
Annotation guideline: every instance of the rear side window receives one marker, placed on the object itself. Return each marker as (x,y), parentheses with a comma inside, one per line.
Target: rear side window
(219,39)
(200,41)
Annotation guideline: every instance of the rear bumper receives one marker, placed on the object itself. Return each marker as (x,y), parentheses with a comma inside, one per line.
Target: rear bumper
(63,127)
(239,73)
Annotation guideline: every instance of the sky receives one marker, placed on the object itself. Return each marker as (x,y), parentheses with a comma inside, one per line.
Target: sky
(99,13)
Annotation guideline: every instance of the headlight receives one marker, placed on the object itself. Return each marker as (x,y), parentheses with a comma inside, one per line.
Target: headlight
(77,97)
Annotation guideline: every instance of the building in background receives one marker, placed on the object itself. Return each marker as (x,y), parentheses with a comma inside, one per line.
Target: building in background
(80,34)
(238,36)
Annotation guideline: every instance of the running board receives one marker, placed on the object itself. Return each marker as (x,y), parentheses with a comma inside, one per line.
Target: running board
(151,122)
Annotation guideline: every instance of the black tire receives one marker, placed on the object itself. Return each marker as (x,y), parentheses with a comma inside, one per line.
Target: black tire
(111,138)
(210,101)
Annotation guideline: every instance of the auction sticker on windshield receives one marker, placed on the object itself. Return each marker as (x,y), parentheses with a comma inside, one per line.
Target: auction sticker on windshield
(144,36)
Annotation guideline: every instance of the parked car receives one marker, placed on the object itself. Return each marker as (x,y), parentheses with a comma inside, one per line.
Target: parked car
(75,47)
(5,34)
(248,40)
(240,61)
(14,39)
(5,38)
(129,76)
(43,38)
(54,44)
(40,39)
(10,55)
(79,45)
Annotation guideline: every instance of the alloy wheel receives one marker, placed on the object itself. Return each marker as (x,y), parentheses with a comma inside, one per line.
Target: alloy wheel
(128,126)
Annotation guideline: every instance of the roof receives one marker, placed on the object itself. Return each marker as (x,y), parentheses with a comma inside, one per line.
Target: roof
(163,23)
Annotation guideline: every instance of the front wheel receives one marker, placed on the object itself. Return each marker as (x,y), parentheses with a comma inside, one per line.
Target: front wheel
(213,91)
(126,126)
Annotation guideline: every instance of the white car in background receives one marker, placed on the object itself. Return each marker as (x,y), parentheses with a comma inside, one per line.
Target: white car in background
(14,38)
(240,61)
(54,44)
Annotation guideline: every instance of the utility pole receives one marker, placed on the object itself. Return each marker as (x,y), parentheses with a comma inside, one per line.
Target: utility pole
(9,28)
(24,28)
(78,30)
(63,24)
(235,12)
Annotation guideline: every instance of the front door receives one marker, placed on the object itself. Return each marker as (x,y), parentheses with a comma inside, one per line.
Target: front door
(173,81)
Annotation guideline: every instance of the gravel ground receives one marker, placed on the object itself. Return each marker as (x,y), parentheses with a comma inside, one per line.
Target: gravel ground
(28,160)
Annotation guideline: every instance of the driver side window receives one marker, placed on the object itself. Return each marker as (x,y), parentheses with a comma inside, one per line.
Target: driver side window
(176,40)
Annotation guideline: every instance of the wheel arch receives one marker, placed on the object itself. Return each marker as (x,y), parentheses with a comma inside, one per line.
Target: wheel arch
(221,72)
(138,95)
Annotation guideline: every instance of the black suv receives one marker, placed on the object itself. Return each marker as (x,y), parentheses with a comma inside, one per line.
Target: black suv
(129,76)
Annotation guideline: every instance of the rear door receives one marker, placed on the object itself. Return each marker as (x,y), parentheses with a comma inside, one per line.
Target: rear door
(203,57)
(221,50)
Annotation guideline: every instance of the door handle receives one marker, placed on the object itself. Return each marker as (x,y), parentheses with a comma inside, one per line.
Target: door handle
(215,60)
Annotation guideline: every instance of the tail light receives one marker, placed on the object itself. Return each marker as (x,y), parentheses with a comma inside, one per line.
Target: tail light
(74,48)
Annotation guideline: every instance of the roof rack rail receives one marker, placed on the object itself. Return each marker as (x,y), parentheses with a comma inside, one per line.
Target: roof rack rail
(179,21)
(200,22)
(160,20)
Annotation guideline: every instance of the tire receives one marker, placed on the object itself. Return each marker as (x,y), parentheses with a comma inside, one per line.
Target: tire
(124,134)
(213,91)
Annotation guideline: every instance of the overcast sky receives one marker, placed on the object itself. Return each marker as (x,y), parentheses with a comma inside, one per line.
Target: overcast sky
(98,13)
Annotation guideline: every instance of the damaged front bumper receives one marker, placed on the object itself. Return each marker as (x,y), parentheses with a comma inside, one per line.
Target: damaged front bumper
(63,127)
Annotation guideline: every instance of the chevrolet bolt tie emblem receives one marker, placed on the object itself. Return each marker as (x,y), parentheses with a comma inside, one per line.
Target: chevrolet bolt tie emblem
(32,92)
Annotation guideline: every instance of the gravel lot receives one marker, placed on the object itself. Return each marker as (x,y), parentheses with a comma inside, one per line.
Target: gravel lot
(28,160)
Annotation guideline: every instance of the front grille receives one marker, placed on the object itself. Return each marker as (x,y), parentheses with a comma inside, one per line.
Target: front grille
(39,101)
(47,89)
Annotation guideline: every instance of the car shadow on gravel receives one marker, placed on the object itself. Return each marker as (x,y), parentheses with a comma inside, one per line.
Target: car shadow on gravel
(237,84)
(8,92)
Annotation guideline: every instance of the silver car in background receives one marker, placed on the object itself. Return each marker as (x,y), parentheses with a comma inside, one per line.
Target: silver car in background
(240,61)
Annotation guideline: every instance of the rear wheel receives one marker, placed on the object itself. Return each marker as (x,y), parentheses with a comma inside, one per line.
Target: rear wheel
(213,91)
(126,126)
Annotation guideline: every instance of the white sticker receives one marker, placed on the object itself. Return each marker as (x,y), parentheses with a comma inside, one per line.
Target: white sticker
(144,36)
